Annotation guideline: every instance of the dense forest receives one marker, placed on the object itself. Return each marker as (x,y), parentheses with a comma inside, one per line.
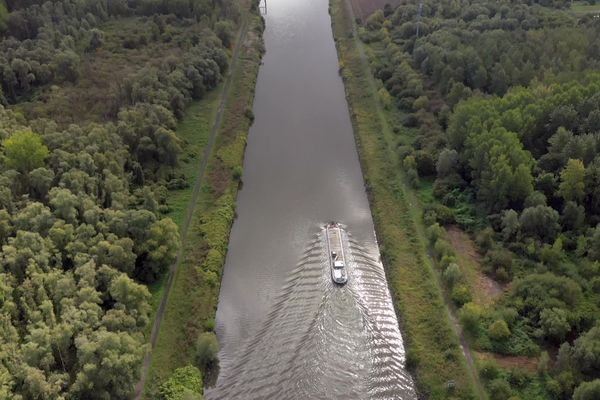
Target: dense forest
(91,91)
(497,113)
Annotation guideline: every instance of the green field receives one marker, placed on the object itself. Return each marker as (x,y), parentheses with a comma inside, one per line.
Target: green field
(433,352)
(582,8)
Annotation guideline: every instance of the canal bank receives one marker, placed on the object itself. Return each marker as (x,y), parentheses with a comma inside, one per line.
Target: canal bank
(434,354)
(285,330)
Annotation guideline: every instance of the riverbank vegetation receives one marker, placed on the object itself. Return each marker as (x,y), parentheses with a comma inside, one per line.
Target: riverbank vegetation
(495,117)
(91,92)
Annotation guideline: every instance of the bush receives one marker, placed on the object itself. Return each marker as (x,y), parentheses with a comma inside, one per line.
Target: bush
(489,370)
(452,274)
(177,184)
(470,315)
(499,330)
(500,390)
(588,391)
(207,350)
(442,248)
(434,232)
(184,382)
(209,325)
(461,295)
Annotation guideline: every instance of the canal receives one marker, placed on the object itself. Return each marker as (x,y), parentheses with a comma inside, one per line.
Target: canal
(286,331)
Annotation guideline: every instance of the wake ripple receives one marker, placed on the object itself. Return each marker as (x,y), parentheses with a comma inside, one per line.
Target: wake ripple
(323,341)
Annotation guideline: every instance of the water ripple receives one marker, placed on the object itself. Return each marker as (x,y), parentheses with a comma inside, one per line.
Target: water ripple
(323,341)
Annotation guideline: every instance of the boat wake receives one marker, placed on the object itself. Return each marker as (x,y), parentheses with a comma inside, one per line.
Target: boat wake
(323,341)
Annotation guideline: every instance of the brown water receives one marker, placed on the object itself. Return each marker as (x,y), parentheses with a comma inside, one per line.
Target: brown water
(286,331)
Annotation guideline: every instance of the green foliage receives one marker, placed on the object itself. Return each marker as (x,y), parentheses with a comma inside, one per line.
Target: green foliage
(499,330)
(3,17)
(555,323)
(207,350)
(470,318)
(588,391)
(24,151)
(572,185)
(540,222)
(586,351)
(452,274)
(500,390)
(184,384)
(461,295)
(159,250)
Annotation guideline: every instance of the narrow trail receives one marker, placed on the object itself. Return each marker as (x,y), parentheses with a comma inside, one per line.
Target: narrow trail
(139,389)
(466,350)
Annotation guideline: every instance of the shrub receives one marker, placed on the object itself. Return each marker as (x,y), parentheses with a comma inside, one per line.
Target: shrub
(499,390)
(499,330)
(452,274)
(207,350)
(184,382)
(461,295)
(588,391)
(442,248)
(489,370)
(209,325)
(434,232)
(470,315)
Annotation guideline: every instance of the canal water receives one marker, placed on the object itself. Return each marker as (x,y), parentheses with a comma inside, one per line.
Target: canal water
(287,332)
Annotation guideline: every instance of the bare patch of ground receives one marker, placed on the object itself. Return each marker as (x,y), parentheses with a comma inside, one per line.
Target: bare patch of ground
(363,8)
(528,364)
(486,289)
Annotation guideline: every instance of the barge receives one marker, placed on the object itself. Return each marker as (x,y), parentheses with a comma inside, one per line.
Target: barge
(335,249)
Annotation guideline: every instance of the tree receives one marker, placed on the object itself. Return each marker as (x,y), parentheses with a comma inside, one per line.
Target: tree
(40,182)
(223,30)
(446,163)
(588,391)
(594,244)
(64,204)
(586,350)
(501,168)
(159,250)
(572,181)
(555,323)
(108,364)
(3,16)
(540,222)
(573,216)
(132,298)
(24,151)
(6,227)
(510,224)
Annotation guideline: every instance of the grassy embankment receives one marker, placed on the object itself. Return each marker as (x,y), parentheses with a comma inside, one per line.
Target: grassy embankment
(194,132)
(193,298)
(434,355)
(581,8)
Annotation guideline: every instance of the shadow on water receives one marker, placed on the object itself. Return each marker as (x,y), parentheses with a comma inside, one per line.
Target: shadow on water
(324,341)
